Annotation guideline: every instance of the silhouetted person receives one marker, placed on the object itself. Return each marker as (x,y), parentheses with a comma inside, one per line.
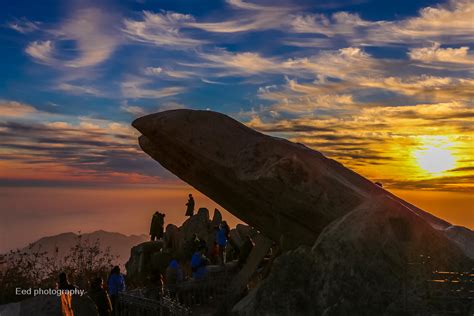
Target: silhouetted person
(199,263)
(156,227)
(115,285)
(63,283)
(66,299)
(100,297)
(190,206)
(221,239)
(173,276)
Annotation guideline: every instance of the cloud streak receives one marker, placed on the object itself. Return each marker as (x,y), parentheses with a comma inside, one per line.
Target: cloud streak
(89,29)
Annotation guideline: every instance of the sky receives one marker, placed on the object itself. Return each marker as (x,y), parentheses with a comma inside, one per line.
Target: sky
(384,87)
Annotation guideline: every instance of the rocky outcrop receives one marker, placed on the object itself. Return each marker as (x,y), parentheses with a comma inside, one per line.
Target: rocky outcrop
(346,242)
(152,257)
(274,185)
(143,262)
(463,237)
(285,190)
(358,266)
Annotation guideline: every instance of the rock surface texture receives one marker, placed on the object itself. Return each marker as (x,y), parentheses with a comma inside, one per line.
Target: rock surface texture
(346,242)
(280,188)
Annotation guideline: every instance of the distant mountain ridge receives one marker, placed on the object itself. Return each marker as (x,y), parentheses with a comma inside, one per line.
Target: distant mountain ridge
(61,244)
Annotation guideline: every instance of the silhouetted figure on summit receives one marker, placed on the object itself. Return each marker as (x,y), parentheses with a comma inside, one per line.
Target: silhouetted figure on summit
(100,297)
(190,206)
(156,227)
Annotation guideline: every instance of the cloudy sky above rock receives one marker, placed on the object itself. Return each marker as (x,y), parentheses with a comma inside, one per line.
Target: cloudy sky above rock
(385,87)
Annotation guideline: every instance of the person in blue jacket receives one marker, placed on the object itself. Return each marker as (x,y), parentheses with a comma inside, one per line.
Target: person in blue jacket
(115,285)
(221,239)
(199,263)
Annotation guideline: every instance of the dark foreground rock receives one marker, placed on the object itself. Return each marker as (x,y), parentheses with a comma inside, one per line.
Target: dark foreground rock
(360,265)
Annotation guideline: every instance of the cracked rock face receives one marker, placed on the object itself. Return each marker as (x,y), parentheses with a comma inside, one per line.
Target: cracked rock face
(283,189)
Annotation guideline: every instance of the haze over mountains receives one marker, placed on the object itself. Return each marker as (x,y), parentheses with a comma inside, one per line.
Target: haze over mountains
(119,244)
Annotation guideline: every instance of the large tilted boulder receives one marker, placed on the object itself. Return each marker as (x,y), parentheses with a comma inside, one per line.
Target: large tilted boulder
(284,190)
(272,184)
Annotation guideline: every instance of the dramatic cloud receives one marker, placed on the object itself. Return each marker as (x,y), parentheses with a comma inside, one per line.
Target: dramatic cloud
(364,89)
(381,141)
(89,151)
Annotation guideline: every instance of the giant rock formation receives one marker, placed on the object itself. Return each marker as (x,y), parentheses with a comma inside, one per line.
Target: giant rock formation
(351,237)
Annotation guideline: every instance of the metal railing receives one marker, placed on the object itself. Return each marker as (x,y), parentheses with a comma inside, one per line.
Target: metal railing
(135,305)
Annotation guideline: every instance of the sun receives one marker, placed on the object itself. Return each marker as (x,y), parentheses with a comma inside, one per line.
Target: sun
(434,159)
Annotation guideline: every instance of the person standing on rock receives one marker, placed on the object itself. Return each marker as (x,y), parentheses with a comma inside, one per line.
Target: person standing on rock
(190,206)
(221,238)
(156,227)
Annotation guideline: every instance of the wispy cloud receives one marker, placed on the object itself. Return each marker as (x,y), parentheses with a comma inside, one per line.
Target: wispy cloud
(136,88)
(252,17)
(135,110)
(11,109)
(447,23)
(89,28)
(41,51)
(167,73)
(161,29)
(436,55)
(79,89)
(24,25)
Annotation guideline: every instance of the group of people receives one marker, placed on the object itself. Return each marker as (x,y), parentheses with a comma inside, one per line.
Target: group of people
(104,296)
(158,220)
(200,253)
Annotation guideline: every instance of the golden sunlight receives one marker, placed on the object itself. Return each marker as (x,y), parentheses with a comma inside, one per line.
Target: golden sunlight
(435,158)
